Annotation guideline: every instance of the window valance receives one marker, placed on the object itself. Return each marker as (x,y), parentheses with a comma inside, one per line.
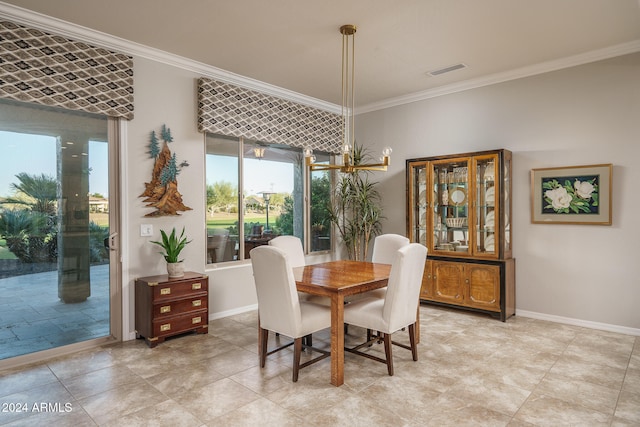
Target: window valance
(231,110)
(52,70)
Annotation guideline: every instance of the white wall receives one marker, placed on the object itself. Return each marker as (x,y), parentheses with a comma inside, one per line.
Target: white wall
(588,114)
(167,95)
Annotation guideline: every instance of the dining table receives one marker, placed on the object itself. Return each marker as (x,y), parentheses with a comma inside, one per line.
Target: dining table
(337,280)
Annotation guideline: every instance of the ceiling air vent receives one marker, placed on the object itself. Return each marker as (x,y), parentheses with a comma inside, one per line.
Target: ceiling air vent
(446,70)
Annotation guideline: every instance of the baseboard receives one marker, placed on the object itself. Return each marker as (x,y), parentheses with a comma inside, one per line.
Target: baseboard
(227,313)
(579,322)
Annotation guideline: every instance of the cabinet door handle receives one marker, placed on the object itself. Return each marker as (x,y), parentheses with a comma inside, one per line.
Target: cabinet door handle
(165,309)
(429,276)
(196,303)
(434,277)
(196,286)
(466,281)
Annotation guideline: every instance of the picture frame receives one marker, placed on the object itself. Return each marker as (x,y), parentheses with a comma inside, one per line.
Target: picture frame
(572,195)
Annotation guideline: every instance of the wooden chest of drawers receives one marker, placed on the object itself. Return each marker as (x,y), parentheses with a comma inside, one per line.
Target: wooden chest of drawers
(166,307)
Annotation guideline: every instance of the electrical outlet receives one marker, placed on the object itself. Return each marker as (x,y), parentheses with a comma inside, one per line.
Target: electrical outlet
(146,230)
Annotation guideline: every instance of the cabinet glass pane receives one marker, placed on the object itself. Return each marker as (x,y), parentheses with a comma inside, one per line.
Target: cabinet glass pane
(451,206)
(506,185)
(419,226)
(487,199)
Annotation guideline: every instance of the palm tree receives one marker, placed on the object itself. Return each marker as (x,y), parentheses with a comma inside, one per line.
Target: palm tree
(30,229)
(37,192)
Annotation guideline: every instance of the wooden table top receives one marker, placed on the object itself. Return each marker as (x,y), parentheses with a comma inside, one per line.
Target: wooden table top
(344,276)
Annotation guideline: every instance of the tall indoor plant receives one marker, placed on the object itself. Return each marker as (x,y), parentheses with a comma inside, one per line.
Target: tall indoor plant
(355,209)
(172,246)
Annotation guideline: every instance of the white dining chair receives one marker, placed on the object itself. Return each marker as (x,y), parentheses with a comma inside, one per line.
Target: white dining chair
(385,247)
(279,308)
(292,245)
(397,309)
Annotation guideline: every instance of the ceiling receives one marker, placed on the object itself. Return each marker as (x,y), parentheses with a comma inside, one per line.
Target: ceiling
(295,45)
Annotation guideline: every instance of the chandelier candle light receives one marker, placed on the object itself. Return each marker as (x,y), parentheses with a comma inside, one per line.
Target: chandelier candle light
(349,163)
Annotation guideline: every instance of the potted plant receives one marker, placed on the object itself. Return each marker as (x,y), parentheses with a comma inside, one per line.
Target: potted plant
(355,209)
(172,246)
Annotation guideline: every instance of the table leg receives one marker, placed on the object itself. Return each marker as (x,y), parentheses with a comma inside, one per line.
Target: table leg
(337,339)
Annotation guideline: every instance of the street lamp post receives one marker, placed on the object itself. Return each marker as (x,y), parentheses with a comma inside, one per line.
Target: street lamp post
(267,197)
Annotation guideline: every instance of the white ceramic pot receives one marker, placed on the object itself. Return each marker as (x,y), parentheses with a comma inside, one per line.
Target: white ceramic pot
(175,269)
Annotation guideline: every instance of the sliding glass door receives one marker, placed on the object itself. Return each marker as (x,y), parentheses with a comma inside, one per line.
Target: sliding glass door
(55,226)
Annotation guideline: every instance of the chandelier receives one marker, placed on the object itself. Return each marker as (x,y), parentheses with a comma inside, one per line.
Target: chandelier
(350,159)
(258,152)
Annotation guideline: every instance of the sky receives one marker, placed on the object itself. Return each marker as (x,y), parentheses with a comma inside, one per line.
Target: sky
(260,175)
(36,154)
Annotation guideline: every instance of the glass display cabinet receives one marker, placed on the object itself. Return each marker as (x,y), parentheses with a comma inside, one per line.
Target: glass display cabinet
(459,207)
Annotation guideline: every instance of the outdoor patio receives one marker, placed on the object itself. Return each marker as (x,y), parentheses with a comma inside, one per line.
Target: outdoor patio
(33,318)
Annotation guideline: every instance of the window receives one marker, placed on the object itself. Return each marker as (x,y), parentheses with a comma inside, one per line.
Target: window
(272,181)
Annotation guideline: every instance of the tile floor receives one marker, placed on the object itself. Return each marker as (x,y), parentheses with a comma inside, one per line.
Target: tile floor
(472,370)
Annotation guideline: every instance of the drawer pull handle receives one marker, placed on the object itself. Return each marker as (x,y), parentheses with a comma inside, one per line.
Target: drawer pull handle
(196,286)
(165,327)
(165,309)
(196,303)
(165,291)
(196,320)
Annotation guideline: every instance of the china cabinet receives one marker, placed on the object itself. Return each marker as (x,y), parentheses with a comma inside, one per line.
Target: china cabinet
(459,207)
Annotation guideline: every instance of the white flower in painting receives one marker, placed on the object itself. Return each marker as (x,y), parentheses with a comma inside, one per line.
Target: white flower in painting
(560,199)
(583,189)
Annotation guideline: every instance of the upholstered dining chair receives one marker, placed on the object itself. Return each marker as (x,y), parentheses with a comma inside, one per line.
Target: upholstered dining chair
(385,247)
(397,309)
(279,308)
(292,245)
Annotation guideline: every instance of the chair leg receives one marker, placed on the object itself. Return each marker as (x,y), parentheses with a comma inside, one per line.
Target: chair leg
(297,349)
(412,340)
(308,340)
(387,353)
(263,339)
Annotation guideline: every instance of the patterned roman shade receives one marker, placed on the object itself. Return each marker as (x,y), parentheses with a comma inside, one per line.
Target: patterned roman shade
(52,70)
(231,110)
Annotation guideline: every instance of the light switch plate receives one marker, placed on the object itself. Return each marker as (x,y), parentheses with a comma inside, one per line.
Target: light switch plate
(146,230)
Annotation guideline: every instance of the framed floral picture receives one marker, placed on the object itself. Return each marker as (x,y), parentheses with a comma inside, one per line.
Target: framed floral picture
(572,195)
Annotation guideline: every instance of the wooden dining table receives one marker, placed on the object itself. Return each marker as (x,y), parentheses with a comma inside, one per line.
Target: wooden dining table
(336,280)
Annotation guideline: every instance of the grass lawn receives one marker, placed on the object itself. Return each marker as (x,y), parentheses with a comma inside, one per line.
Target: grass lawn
(102,219)
(222,220)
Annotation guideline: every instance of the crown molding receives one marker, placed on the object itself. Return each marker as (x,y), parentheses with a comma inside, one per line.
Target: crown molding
(543,67)
(97,38)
